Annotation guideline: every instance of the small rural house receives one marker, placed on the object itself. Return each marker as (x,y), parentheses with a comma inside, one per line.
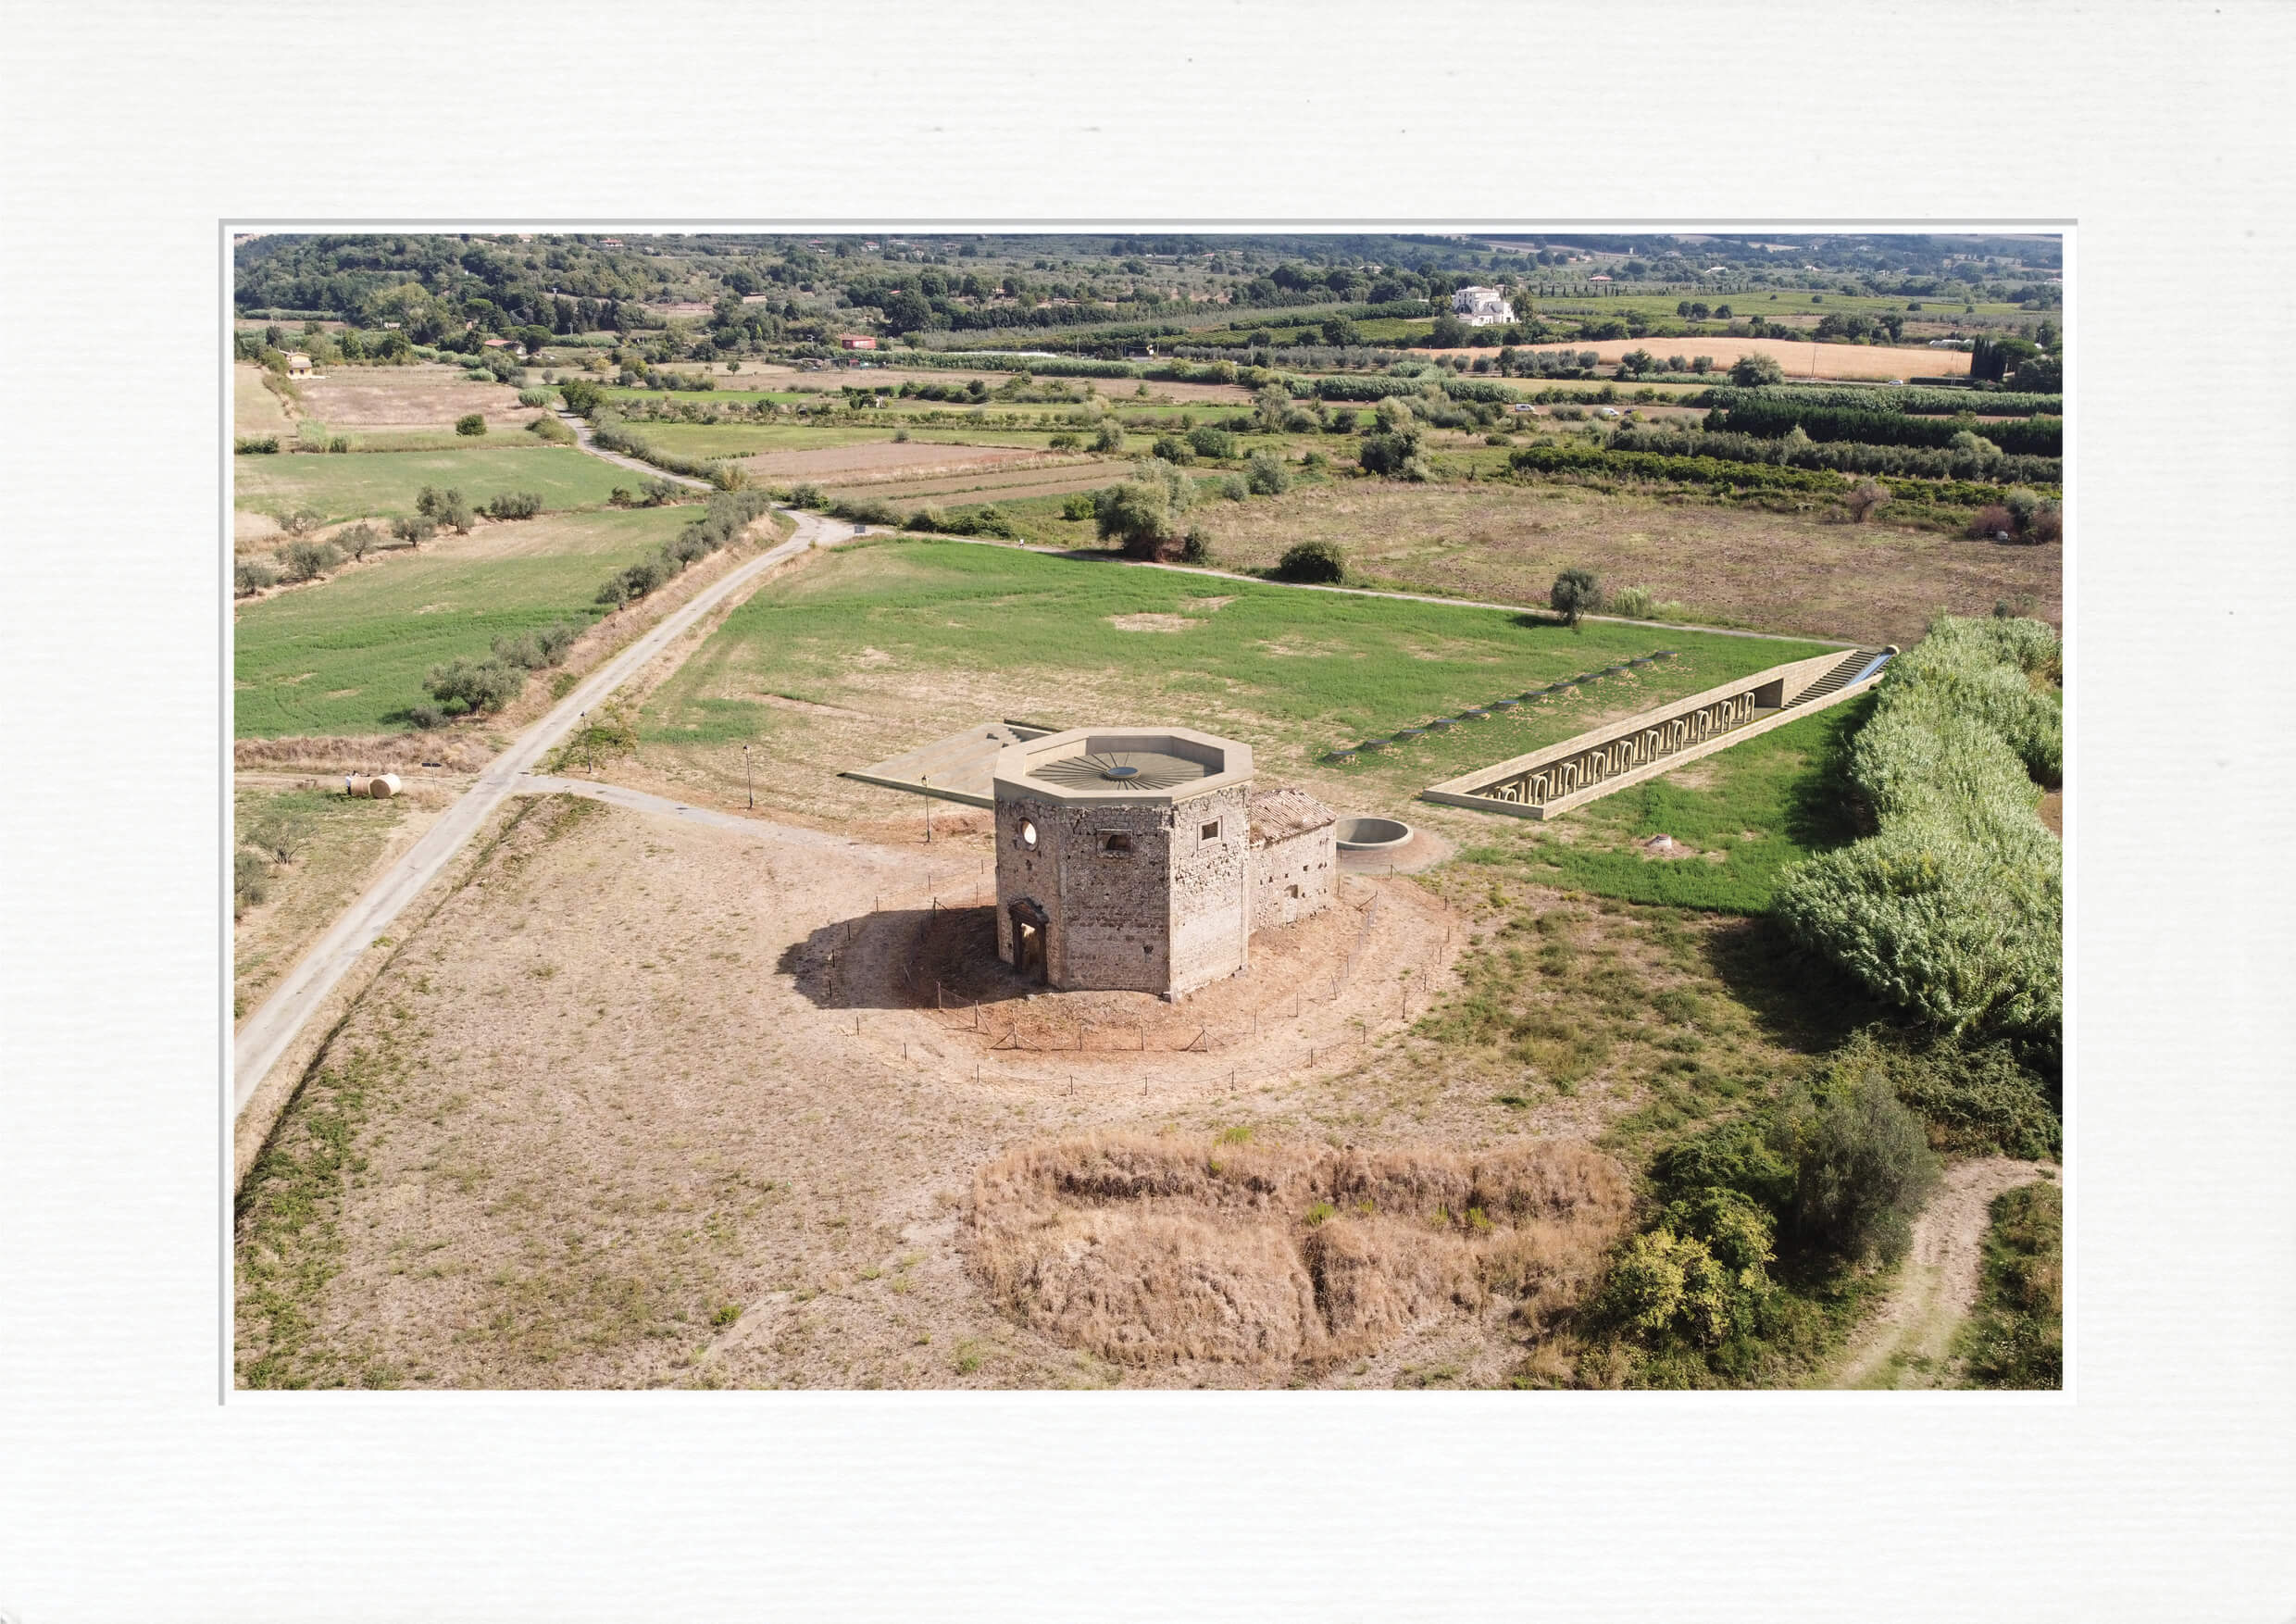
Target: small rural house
(1481,306)
(298,363)
(855,341)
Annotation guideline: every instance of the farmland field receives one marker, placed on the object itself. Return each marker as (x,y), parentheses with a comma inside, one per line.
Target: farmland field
(348,656)
(1744,566)
(1800,360)
(879,647)
(363,484)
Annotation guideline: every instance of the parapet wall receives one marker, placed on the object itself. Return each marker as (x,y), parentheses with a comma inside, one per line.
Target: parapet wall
(1547,782)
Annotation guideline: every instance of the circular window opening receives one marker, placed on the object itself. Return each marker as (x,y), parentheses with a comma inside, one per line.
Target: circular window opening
(1028,835)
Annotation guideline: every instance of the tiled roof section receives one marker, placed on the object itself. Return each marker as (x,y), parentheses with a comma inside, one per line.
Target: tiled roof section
(1280,813)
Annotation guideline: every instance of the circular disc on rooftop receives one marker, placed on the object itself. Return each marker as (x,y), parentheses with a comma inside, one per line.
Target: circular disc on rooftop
(1085,765)
(1138,769)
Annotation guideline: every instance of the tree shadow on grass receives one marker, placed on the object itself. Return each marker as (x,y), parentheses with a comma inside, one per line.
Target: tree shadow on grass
(1800,1001)
(1825,809)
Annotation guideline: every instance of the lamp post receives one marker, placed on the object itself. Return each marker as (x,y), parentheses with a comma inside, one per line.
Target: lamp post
(749,783)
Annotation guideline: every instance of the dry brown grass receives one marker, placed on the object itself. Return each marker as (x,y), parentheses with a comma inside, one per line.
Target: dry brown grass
(1783,572)
(1148,1250)
(409,397)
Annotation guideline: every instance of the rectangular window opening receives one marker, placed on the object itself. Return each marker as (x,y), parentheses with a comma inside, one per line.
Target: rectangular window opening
(1211,830)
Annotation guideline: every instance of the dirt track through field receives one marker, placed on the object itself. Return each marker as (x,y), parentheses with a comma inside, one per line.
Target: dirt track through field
(1909,1341)
(270,1029)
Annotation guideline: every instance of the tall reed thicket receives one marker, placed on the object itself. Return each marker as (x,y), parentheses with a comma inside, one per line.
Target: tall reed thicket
(1955,909)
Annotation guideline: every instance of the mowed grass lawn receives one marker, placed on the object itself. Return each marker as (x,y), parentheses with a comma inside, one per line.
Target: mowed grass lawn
(348,654)
(367,483)
(935,635)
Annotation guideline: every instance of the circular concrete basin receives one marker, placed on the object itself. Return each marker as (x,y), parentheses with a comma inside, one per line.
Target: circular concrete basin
(1371,834)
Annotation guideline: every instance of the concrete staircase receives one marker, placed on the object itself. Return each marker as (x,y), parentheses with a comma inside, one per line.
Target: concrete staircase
(1853,667)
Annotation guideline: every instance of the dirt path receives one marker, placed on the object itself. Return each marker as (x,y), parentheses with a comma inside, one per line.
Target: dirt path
(1908,1344)
(589,442)
(271,1028)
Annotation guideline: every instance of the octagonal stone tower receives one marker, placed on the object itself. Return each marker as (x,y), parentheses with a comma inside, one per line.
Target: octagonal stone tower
(1124,858)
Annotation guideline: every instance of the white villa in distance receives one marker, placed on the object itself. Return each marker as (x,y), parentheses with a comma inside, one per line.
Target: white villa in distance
(1481,306)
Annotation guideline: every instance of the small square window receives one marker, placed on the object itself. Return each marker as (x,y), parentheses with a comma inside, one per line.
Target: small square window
(1211,830)
(1116,844)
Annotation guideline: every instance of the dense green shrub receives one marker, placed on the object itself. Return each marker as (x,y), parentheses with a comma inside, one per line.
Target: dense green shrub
(1955,909)
(249,576)
(447,509)
(2015,1336)
(1141,515)
(251,880)
(865,510)
(1264,475)
(1751,371)
(628,585)
(807,495)
(1861,1165)
(1393,456)
(551,430)
(1977,1098)
(305,559)
(477,686)
(515,504)
(1316,560)
(1213,443)
(416,530)
(1576,593)
(1077,504)
(359,540)
(470,423)
(1195,547)
(1173,449)
(256,444)
(535,650)
(534,397)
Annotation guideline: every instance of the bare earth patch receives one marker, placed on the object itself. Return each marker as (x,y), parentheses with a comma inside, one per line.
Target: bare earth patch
(1908,1342)
(1155,1251)
(1151,622)
(650,1103)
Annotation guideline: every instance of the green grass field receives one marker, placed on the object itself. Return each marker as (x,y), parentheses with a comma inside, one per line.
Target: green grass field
(348,656)
(1290,672)
(362,484)
(1762,805)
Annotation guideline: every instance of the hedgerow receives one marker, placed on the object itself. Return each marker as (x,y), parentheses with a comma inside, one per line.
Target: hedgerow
(1940,402)
(1842,457)
(1954,910)
(1743,476)
(726,516)
(1773,416)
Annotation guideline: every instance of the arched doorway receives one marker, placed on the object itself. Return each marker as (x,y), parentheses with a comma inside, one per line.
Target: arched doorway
(1029,931)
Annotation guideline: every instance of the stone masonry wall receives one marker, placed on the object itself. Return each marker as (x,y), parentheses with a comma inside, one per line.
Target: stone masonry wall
(1210,891)
(1293,877)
